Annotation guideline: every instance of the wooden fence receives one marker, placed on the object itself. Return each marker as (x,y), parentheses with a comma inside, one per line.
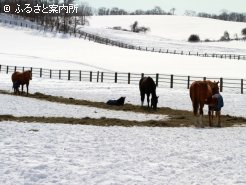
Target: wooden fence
(98,39)
(162,80)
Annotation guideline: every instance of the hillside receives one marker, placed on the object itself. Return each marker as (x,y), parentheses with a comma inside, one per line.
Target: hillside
(172,27)
(171,32)
(36,48)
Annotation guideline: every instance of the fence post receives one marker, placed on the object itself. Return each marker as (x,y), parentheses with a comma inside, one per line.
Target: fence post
(15,69)
(7,70)
(90,76)
(142,75)
(241,86)
(157,79)
(69,74)
(80,76)
(59,74)
(41,72)
(188,82)
(23,69)
(171,82)
(102,77)
(115,77)
(97,76)
(129,78)
(0,68)
(204,78)
(50,73)
(221,84)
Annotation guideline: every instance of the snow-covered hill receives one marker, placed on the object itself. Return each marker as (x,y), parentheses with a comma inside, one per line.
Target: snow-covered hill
(26,47)
(171,32)
(172,27)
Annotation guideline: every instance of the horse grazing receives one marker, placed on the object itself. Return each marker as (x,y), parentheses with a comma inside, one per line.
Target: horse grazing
(147,86)
(201,93)
(22,79)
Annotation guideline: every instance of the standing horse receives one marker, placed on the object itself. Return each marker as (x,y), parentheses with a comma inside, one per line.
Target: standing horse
(22,78)
(147,86)
(201,93)
(16,85)
(214,105)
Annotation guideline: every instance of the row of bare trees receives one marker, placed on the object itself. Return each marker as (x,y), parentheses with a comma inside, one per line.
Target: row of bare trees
(63,15)
(224,15)
(157,10)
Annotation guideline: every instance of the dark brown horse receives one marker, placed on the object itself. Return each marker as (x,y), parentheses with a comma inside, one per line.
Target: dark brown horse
(147,86)
(22,78)
(201,93)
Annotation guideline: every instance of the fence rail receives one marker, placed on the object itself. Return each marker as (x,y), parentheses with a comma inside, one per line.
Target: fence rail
(162,80)
(102,40)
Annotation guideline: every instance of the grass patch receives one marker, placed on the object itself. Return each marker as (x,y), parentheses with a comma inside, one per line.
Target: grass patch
(178,118)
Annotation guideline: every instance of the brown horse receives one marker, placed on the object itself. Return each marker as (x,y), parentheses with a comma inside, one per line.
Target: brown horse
(22,78)
(201,93)
(147,86)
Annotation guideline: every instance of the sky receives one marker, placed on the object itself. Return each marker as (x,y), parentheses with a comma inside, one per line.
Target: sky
(209,6)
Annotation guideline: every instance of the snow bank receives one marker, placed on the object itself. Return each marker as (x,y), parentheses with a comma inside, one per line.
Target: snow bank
(74,154)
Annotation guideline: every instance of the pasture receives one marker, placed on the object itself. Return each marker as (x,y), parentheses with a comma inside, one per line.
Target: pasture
(65,133)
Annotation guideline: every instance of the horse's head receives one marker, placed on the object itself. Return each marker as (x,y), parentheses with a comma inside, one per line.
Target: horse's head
(154,101)
(30,74)
(215,87)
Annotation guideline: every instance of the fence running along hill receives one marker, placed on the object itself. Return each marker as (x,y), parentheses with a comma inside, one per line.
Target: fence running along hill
(102,40)
(162,80)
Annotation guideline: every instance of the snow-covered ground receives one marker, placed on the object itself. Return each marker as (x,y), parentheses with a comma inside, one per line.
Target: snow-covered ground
(172,27)
(38,153)
(48,50)
(177,98)
(171,32)
(21,106)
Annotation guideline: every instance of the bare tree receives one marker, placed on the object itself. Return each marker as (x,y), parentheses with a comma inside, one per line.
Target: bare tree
(172,11)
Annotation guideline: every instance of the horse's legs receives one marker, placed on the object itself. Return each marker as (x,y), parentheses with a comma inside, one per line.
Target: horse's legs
(22,88)
(148,99)
(211,117)
(210,113)
(26,89)
(142,98)
(218,114)
(201,114)
(195,111)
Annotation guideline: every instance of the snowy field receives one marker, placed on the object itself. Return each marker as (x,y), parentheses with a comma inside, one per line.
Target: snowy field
(20,106)
(177,98)
(170,32)
(55,51)
(40,154)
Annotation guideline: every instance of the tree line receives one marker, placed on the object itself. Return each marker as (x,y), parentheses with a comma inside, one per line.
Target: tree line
(157,10)
(224,15)
(62,15)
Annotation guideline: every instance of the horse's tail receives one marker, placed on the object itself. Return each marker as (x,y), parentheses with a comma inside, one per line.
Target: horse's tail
(194,95)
